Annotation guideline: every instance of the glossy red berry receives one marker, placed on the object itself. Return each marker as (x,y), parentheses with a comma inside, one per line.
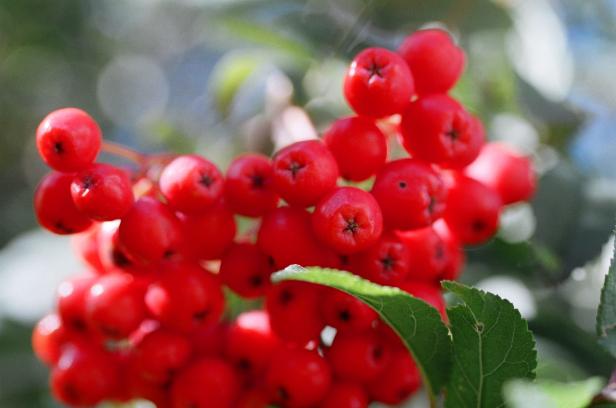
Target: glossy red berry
(150,231)
(185,297)
(503,169)
(249,185)
(48,338)
(85,245)
(246,270)
(102,192)
(378,83)
(346,313)
(473,210)
(159,354)
(304,172)
(251,343)
(427,253)
(434,59)
(54,206)
(68,139)
(398,381)
(115,305)
(346,395)
(207,235)
(297,378)
(387,262)
(436,128)
(293,308)
(287,237)
(191,184)
(111,253)
(411,194)
(453,250)
(348,220)
(466,153)
(84,376)
(358,357)
(428,291)
(207,383)
(72,294)
(359,146)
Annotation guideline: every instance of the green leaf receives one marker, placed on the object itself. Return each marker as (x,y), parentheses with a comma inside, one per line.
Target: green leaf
(606,315)
(418,324)
(551,394)
(491,345)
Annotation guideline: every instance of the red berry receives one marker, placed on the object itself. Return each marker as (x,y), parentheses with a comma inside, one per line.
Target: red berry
(251,343)
(159,353)
(84,376)
(473,210)
(287,237)
(48,338)
(411,194)
(348,220)
(253,398)
(398,381)
(359,146)
(506,171)
(249,185)
(72,295)
(346,395)
(102,192)
(435,61)
(208,234)
(346,313)
(246,270)
(454,252)
(298,378)
(115,305)
(185,297)
(207,383)
(111,253)
(68,139)
(427,253)
(191,184)
(293,308)
(428,291)
(358,357)
(466,153)
(387,262)
(378,83)
(54,206)
(209,340)
(436,128)
(150,231)
(85,245)
(304,172)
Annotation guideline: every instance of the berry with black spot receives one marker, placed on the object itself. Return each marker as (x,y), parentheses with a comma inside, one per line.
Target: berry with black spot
(297,378)
(246,270)
(387,262)
(398,381)
(54,206)
(411,194)
(346,313)
(358,357)
(304,172)
(249,185)
(102,192)
(348,220)
(68,140)
(378,83)
(191,184)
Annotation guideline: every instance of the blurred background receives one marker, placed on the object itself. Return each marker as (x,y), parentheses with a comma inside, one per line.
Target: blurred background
(223,76)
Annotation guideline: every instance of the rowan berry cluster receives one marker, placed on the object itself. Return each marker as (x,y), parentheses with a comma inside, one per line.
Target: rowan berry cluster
(146,318)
